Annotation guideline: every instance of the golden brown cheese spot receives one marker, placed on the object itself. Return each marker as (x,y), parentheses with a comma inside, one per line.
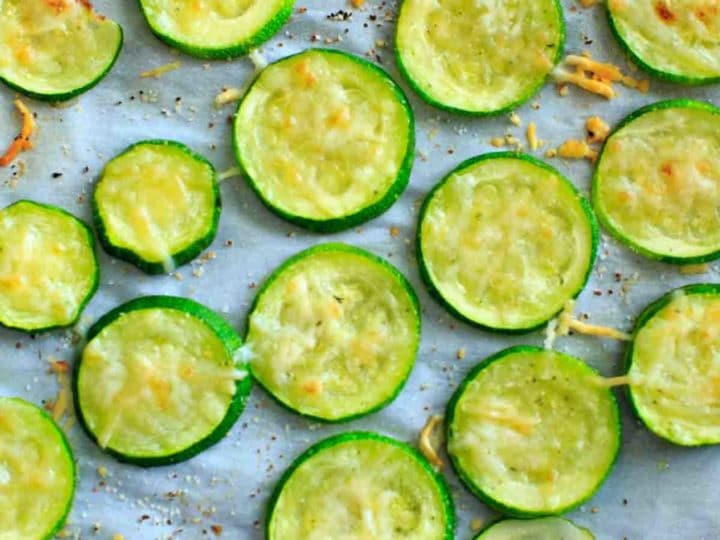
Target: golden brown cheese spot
(664,12)
(305,75)
(312,387)
(597,130)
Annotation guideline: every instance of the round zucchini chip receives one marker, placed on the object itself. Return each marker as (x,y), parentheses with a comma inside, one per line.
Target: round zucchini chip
(532,433)
(157,205)
(55,50)
(326,139)
(37,473)
(361,485)
(478,58)
(160,380)
(216,29)
(334,333)
(673,369)
(505,241)
(48,267)
(675,40)
(657,183)
(549,528)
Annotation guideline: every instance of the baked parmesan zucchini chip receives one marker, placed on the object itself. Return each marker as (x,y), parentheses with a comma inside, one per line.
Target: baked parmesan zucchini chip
(673,368)
(55,49)
(48,267)
(675,40)
(549,528)
(533,432)
(358,485)
(475,57)
(657,183)
(37,473)
(505,241)
(218,29)
(326,139)
(157,205)
(160,380)
(334,333)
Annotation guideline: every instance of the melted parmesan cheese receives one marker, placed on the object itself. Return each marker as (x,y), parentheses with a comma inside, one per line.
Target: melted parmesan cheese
(322,136)
(565,455)
(506,242)
(36,472)
(359,490)
(156,200)
(478,56)
(658,182)
(154,382)
(335,334)
(550,528)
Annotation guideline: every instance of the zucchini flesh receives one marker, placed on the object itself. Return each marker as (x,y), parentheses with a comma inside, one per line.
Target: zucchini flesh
(673,368)
(48,269)
(334,333)
(657,183)
(505,241)
(37,473)
(550,528)
(216,28)
(55,50)
(677,40)
(360,485)
(158,383)
(532,433)
(157,205)
(326,139)
(478,57)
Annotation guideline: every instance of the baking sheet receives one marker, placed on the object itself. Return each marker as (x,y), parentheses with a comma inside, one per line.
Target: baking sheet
(657,491)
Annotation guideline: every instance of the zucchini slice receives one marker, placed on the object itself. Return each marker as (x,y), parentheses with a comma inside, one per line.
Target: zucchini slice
(675,40)
(55,50)
(216,29)
(549,528)
(505,241)
(157,205)
(37,473)
(657,183)
(478,58)
(326,139)
(160,381)
(48,267)
(361,485)
(673,368)
(334,333)
(532,433)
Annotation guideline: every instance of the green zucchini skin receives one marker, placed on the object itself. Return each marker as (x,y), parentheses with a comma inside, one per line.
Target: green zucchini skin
(225,333)
(465,478)
(710,289)
(425,274)
(329,247)
(481,114)
(335,225)
(601,215)
(487,533)
(96,276)
(179,258)
(230,52)
(440,483)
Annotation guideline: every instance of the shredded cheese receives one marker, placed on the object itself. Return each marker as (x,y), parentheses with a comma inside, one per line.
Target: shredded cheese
(622,380)
(533,141)
(567,322)
(158,72)
(232,172)
(691,269)
(62,407)
(597,130)
(228,95)
(596,77)
(425,442)
(575,149)
(22,141)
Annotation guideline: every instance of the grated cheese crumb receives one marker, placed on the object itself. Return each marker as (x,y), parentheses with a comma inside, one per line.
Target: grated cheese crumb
(597,130)
(228,95)
(532,136)
(574,149)
(515,119)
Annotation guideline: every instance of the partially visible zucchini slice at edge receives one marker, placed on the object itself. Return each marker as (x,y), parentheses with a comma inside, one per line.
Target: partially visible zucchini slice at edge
(360,485)
(334,332)
(159,380)
(55,50)
(343,139)
(157,205)
(478,58)
(515,425)
(31,479)
(216,30)
(504,241)
(48,267)
(672,367)
(656,187)
(549,528)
